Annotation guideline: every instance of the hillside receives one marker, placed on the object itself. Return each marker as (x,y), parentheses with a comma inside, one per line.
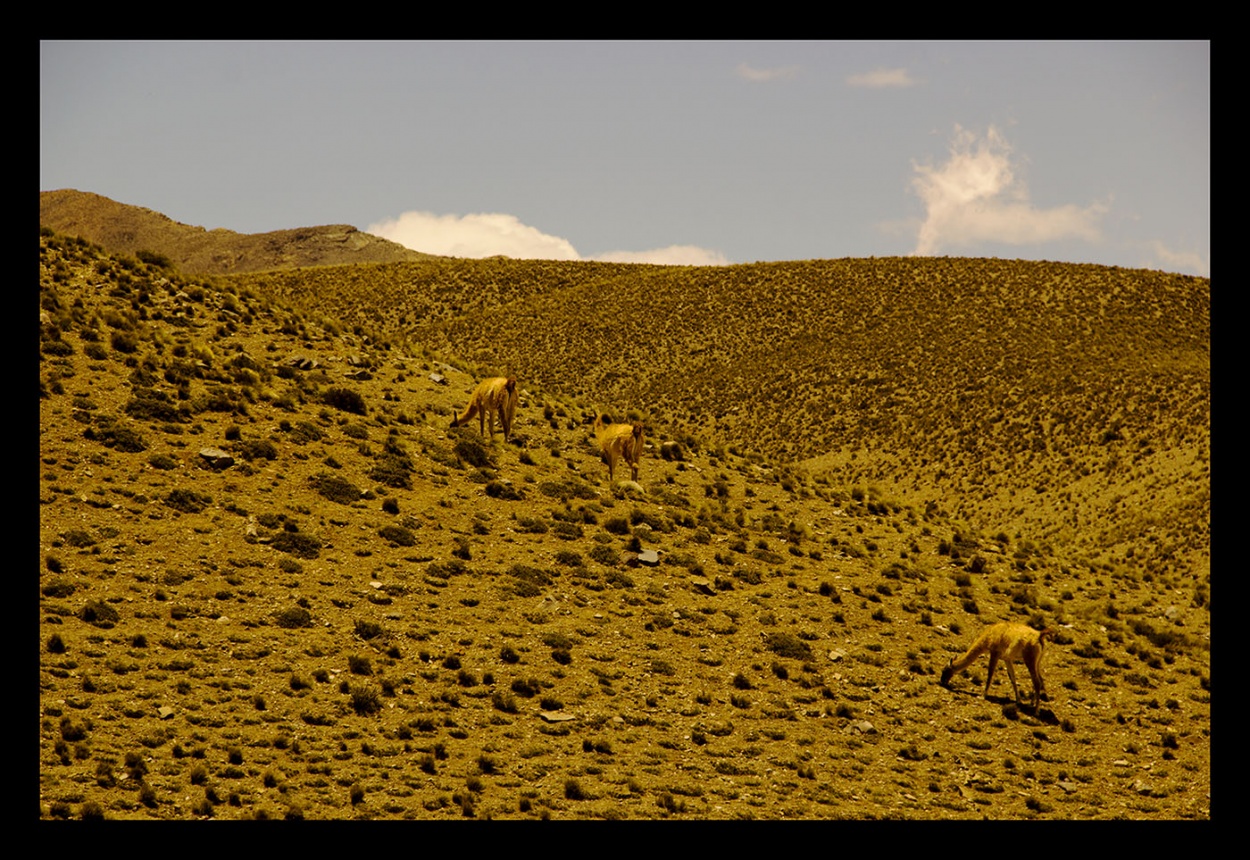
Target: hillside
(134,229)
(275,584)
(1069,402)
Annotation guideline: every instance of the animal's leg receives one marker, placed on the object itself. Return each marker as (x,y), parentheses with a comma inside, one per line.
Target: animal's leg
(1039,686)
(989,676)
(1011,673)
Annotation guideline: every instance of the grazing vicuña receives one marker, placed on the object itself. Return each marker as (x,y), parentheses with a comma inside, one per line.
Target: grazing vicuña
(497,394)
(1008,642)
(617,441)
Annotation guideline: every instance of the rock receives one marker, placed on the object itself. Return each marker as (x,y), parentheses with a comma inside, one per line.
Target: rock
(216,458)
(556,716)
(671,451)
(649,557)
(627,488)
(438,379)
(702,584)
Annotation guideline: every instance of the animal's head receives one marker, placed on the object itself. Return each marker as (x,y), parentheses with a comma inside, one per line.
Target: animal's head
(638,430)
(1048,633)
(510,385)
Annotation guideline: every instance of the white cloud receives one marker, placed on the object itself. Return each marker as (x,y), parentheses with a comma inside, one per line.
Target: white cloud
(753,74)
(489,234)
(673,255)
(477,235)
(975,197)
(1189,262)
(879,78)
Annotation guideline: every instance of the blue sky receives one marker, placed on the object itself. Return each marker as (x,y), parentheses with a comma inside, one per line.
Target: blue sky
(683,152)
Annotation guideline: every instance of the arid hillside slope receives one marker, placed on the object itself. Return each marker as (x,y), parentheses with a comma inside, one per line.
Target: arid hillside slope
(273,583)
(134,229)
(1068,401)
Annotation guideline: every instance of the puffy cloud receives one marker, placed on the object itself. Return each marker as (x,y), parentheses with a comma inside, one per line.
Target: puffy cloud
(478,235)
(879,78)
(673,255)
(1189,262)
(491,234)
(975,197)
(751,73)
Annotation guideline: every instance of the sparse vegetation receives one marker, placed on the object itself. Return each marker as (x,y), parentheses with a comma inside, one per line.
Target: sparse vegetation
(367,614)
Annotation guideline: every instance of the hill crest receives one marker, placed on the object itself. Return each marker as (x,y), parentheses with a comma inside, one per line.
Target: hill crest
(129,229)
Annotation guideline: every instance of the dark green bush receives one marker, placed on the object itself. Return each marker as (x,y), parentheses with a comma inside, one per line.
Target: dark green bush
(472,449)
(335,488)
(111,433)
(162,461)
(257,449)
(187,501)
(99,613)
(345,400)
(298,544)
(787,645)
(153,258)
(295,617)
(398,535)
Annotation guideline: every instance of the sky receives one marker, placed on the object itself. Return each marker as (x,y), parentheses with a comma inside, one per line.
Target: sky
(666,152)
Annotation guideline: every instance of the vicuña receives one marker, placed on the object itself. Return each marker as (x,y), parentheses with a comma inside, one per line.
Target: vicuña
(617,441)
(1008,642)
(495,395)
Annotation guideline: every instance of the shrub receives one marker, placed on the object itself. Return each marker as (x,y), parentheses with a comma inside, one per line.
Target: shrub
(58,587)
(257,449)
(365,699)
(153,258)
(335,488)
(297,544)
(345,400)
(305,431)
(788,645)
(147,404)
(187,501)
(296,616)
(163,462)
(617,525)
(503,490)
(604,554)
(398,535)
(111,433)
(98,613)
(124,342)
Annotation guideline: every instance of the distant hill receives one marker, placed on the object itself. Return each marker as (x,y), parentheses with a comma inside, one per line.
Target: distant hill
(129,229)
